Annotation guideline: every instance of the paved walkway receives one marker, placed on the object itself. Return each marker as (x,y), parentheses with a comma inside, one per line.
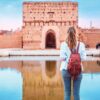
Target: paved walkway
(41,58)
(52,52)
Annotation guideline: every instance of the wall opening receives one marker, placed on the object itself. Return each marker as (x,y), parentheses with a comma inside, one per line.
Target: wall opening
(98,46)
(50,40)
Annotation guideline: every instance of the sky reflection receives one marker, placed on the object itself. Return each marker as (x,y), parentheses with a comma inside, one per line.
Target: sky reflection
(90,87)
(10,85)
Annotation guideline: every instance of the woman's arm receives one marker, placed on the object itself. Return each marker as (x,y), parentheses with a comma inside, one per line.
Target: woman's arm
(63,55)
(83,52)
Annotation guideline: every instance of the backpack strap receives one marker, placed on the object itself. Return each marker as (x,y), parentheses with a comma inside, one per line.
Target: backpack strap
(77,47)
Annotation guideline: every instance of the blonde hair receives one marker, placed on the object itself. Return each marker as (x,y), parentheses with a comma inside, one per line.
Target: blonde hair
(71,38)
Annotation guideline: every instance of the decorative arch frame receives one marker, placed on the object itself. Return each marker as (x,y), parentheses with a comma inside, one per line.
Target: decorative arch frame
(50,32)
(45,31)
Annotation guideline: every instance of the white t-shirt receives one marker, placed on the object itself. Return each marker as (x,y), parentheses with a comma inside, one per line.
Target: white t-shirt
(65,53)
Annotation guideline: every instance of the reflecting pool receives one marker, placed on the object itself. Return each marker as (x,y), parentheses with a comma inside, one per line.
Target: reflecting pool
(10,84)
(41,80)
(90,87)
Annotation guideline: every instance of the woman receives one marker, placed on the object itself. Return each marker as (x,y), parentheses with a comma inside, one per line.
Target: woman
(71,43)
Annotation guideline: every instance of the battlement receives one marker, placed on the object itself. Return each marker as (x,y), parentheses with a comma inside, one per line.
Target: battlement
(50,3)
(91,30)
(50,12)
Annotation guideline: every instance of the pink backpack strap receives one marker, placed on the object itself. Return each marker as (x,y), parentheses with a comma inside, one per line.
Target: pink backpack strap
(77,47)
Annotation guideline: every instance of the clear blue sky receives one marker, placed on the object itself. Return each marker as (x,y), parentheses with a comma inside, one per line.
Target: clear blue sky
(11,13)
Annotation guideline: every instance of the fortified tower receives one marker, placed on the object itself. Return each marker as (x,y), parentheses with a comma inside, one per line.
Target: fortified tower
(45,24)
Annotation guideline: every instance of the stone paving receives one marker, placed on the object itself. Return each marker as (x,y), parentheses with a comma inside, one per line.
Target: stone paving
(46,52)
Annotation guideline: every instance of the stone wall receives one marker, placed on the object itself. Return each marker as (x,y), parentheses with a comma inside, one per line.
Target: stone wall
(41,17)
(92,37)
(10,41)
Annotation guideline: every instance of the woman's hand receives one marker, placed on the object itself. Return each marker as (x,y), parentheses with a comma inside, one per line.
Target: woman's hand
(62,59)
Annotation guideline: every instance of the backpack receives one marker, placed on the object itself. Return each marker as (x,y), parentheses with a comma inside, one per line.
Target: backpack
(74,64)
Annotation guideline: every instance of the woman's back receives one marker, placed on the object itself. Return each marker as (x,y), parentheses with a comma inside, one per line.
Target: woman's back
(65,52)
(71,43)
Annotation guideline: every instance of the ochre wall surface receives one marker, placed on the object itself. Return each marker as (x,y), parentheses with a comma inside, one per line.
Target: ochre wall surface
(45,26)
(10,41)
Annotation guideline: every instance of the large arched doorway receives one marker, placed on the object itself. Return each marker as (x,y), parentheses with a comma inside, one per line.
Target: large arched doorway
(50,40)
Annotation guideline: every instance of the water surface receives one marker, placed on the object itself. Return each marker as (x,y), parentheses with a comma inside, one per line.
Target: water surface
(41,80)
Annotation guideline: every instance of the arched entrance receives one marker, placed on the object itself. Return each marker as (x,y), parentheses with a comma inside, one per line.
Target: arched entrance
(50,40)
(98,46)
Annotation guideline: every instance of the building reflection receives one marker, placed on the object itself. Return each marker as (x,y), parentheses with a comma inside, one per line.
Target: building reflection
(91,67)
(98,62)
(42,79)
(11,80)
(50,68)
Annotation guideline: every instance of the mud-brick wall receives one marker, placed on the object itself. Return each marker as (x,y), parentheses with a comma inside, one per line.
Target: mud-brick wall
(10,41)
(93,39)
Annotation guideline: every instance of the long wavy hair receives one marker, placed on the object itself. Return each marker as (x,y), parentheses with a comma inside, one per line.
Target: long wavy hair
(71,39)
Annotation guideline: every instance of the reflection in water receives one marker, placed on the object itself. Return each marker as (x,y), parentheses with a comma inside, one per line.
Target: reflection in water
(10,84)
(42,81)
(90,87)
(50,68)
(91,67)
(98,62)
